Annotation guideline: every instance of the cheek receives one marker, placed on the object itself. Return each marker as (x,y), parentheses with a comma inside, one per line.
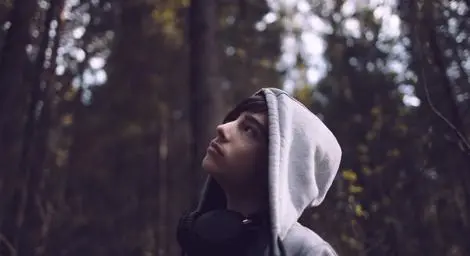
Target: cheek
(246,157)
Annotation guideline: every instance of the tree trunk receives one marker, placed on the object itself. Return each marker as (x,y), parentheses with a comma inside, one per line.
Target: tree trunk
(204,89)
(13,106)
(27,232)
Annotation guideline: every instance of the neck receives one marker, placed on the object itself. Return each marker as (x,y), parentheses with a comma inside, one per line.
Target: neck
(246,202)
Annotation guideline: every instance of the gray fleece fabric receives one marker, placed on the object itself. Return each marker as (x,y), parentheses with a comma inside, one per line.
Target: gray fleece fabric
(304,157)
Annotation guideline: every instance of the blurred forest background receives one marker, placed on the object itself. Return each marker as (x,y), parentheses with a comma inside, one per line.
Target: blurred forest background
(106,106)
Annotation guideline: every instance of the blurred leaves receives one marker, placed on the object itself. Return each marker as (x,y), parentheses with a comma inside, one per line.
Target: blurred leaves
(349,175)
(108,165)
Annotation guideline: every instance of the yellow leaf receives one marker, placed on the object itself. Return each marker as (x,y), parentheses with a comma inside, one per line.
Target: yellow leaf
(168,15)
(241,53)
(303,94)
(67,119)
(358,210)
(185,3)
(349,175)
(375,111)
(355,189)
(366,170)
(157,14)
(265,63)
(70,94)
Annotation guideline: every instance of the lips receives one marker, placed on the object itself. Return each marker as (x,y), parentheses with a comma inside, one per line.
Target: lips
(216,147)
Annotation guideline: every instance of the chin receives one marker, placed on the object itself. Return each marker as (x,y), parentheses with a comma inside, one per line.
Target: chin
(209,165)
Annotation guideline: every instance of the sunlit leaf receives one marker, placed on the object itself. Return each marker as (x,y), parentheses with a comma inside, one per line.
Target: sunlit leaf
(67,119)
(375,110)
(359,211)
(265,63)
(355,189)
(366,170)
(70,94)
(349,175)
(240,53)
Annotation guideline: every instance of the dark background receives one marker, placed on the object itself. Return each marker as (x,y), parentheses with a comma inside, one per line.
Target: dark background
(107,106)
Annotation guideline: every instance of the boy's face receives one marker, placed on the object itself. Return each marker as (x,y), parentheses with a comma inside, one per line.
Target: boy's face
(239,153)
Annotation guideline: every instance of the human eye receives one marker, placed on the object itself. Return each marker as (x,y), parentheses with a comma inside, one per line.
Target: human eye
(247,129)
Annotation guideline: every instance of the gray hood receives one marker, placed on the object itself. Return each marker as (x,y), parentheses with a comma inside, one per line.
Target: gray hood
(304,157)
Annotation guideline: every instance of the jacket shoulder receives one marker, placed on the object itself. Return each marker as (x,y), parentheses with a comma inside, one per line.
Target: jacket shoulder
(301,241)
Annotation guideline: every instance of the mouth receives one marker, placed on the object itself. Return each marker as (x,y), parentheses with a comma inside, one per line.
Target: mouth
(216,148)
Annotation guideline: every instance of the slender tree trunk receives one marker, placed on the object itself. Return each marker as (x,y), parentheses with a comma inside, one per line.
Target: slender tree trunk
(30,214)
(205,94)
(13,106)
(48,193)
(13,60)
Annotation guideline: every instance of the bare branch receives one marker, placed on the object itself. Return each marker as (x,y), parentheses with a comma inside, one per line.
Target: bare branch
(11,248)
(422,58)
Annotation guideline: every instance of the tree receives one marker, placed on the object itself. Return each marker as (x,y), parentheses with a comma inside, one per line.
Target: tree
(204,80)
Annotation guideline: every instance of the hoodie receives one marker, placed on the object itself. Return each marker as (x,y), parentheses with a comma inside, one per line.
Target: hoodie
(304,157)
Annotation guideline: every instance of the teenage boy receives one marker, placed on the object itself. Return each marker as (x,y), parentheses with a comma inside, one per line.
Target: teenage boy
(271,159)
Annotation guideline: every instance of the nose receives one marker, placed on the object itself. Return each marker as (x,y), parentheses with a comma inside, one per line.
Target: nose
(221,132)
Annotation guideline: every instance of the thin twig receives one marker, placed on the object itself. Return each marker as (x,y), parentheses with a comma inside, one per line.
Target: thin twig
(8,244)
(428,96)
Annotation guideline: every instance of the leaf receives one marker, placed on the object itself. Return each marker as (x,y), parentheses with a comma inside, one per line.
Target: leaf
(265,63)
(355,189)
(359,211)
(67,119)
(366,170)
(349,175)
(375,111)
(241,53)
(70,94)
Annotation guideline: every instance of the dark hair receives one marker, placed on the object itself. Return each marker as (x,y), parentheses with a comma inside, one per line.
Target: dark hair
(253,104)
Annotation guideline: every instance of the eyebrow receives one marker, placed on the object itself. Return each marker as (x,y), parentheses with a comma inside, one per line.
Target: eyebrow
(254,121)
